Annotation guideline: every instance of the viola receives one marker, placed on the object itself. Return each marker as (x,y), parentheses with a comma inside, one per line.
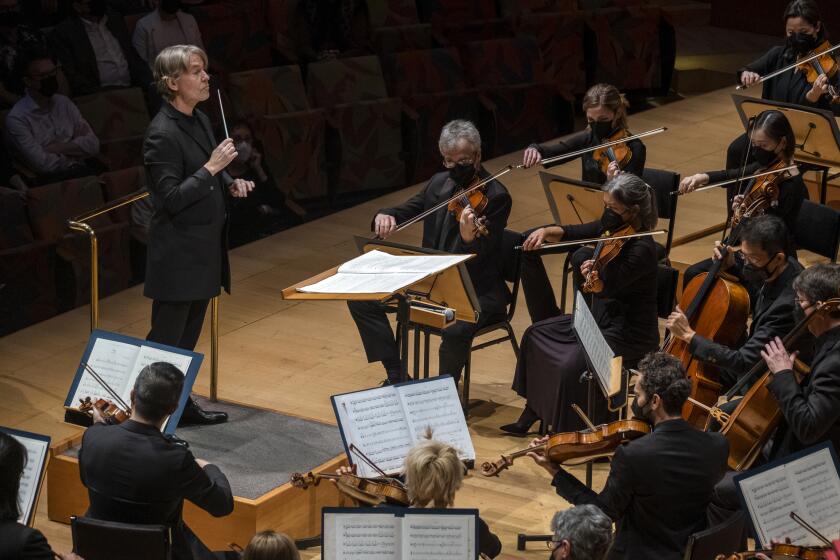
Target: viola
(106,408)
(780,551)
(372,491)
(618,153)
(577,447)
(763,194)
(605,251)
(823,65)
(475,198)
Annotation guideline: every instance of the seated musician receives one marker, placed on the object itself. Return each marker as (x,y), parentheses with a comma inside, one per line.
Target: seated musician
(606,115)
(271,545)
(460,147)
(136,475)
(761,263)
(773,141)
(551,359)
(660,484)
(16,539)
(580,533)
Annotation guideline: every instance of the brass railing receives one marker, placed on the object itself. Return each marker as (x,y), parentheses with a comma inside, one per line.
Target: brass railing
(79,223)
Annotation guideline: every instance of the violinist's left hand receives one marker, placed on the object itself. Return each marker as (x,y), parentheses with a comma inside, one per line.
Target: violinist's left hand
(777,357)
(345,469)
(678,324)
(467,225)
(613,170)
(818,89)
(586,267)
(98,417)
(539,457)
(240,188)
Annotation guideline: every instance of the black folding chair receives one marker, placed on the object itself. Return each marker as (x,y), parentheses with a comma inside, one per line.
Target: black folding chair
(817,229)
(725,538)
(94,539)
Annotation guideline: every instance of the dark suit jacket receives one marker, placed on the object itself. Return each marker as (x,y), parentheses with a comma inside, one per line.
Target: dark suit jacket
(811,410)
(19,542)
(772,316)
(441,231)
(70,43)
(657,491)
(135,475)
(187,241)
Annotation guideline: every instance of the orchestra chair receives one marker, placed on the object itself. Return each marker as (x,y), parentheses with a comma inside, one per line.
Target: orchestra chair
(817,229)
(511,269)
(725,538)
(94,539)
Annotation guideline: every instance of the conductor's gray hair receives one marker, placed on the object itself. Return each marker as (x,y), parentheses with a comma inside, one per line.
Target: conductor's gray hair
(171,62)
(453,131)
(588,530)
(632,192)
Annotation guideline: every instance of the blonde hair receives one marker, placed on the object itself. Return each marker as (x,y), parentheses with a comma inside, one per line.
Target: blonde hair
(171,62)
(271,545)
(605,95)
(433,473)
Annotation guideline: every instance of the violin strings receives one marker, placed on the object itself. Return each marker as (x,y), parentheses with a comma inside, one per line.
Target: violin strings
(105,386)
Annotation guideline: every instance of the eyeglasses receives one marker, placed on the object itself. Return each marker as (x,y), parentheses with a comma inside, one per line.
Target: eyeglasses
(449,164)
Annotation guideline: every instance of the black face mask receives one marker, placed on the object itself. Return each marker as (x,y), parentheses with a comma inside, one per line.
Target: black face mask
(9,20)
(611,220)
(639,411)
(765,158)
(170,6)
(802,43)
(601,129)
(756,275)
(98,8)
(48,86)
(798,313)
(462,173)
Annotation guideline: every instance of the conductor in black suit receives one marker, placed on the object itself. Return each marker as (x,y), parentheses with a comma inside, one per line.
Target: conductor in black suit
(660,484)
(136,475)
(187,259)
(460,148)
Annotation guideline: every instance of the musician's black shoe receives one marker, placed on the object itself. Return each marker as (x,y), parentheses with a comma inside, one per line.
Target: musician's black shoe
(172,438)
(522,426)
(195,415)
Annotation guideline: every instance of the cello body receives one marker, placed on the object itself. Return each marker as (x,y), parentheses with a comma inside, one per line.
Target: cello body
(751,424)
(717,309)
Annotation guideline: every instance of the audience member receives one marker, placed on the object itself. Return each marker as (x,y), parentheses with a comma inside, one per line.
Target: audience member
(325,29)
(581,533)
(167,25)
(15,36)
(270,545)
(18,540)
(45,130)
(95,50)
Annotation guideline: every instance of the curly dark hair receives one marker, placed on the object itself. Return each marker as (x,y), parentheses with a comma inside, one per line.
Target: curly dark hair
(664,375)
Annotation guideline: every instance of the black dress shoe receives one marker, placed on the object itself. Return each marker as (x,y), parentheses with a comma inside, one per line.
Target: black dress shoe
(172,438)
(522,426)
(195,415)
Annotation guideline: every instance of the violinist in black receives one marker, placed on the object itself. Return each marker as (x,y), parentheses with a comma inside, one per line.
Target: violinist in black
(773,142)
(805,31)
(606,114)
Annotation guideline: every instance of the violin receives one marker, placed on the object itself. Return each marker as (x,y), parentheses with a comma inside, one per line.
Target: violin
(763,194)
(106,408)
(371,491)
(605,251)
(780,551)
(824,65)
(619,153)
(577,447)
(474,198)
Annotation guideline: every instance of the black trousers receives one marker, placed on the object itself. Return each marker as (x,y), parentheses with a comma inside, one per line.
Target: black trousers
(381,346)
(177,323)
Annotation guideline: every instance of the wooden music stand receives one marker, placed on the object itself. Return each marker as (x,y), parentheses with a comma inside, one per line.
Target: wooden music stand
(816,130)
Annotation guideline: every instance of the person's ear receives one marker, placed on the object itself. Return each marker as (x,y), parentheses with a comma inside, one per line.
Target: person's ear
(171,83)
(565,549)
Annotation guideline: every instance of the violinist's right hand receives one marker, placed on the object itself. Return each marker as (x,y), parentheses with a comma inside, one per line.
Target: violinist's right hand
(726,253)
(531,157)
(201,463)
(221,156)
(688,184)
(749,78)
(384,225)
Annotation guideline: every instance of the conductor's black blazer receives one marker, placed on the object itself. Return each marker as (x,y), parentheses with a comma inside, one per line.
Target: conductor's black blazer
(135,475)
(187,244)
(657,491)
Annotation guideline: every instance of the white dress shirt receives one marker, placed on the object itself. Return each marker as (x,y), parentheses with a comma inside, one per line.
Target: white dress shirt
(113,68)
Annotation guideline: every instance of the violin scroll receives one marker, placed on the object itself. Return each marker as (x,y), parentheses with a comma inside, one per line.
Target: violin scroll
(304,481)
(494,468)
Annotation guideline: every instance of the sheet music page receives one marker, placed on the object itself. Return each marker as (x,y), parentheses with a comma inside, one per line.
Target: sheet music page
(375,422)
(349,536)
(770,498)
(113,361)
(437,537)
(149,355)
(36,454)
(593,341)
(817,479)
(436,404)
(352,283)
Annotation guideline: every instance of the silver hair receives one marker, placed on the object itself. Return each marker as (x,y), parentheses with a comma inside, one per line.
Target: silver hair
(632,192)
(456,130)
(171,62)
(588,530)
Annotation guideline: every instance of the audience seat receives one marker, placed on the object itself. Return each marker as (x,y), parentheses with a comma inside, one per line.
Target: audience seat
(385,13)
(456,10)
(560,38)
(368,152)
(122,183)
(522,7)
(119,119)
(400,38)
(235,34)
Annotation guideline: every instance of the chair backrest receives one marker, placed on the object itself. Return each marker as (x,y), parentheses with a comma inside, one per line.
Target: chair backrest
(122,183)
(724,538)
(817,229)
(116,113)
(511,266)
(506,61)
(456,10)
(666,289)
(664,183)
(99,540)
(236,35)
(267,91)
(426,71)
(345,80)
(50,206)
(385,13)
(15,230)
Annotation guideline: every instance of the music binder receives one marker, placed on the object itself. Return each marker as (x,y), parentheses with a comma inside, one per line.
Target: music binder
(37,455)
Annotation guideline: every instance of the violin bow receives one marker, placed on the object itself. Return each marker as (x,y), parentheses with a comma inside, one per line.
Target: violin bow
(547,246)
(781,71)
(572,155)
(372,465)
(739,179)
(805,525)
(105,386)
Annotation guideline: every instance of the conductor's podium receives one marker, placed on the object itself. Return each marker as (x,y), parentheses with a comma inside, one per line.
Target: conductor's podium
(257,450)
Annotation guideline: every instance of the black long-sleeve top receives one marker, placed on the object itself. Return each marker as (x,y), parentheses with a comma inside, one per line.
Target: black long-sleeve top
(590,170)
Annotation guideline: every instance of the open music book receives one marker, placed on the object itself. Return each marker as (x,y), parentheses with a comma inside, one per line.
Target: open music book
(37,453)
(384,423)
(379,272)
(600,356)
(806,483)
(118,360)
(399,534)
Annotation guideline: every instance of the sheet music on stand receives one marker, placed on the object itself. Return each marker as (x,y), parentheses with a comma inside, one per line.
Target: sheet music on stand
(37,454)
(606,365)
(806,483)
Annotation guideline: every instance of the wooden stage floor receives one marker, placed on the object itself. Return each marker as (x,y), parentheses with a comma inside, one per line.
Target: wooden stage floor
(291,356)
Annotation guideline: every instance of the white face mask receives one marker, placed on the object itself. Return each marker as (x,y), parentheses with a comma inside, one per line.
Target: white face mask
(243,152)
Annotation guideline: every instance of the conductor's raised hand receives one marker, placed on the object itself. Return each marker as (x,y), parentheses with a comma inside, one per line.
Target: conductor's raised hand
(240,188)
(531,157)
(221,157)
(384,225)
